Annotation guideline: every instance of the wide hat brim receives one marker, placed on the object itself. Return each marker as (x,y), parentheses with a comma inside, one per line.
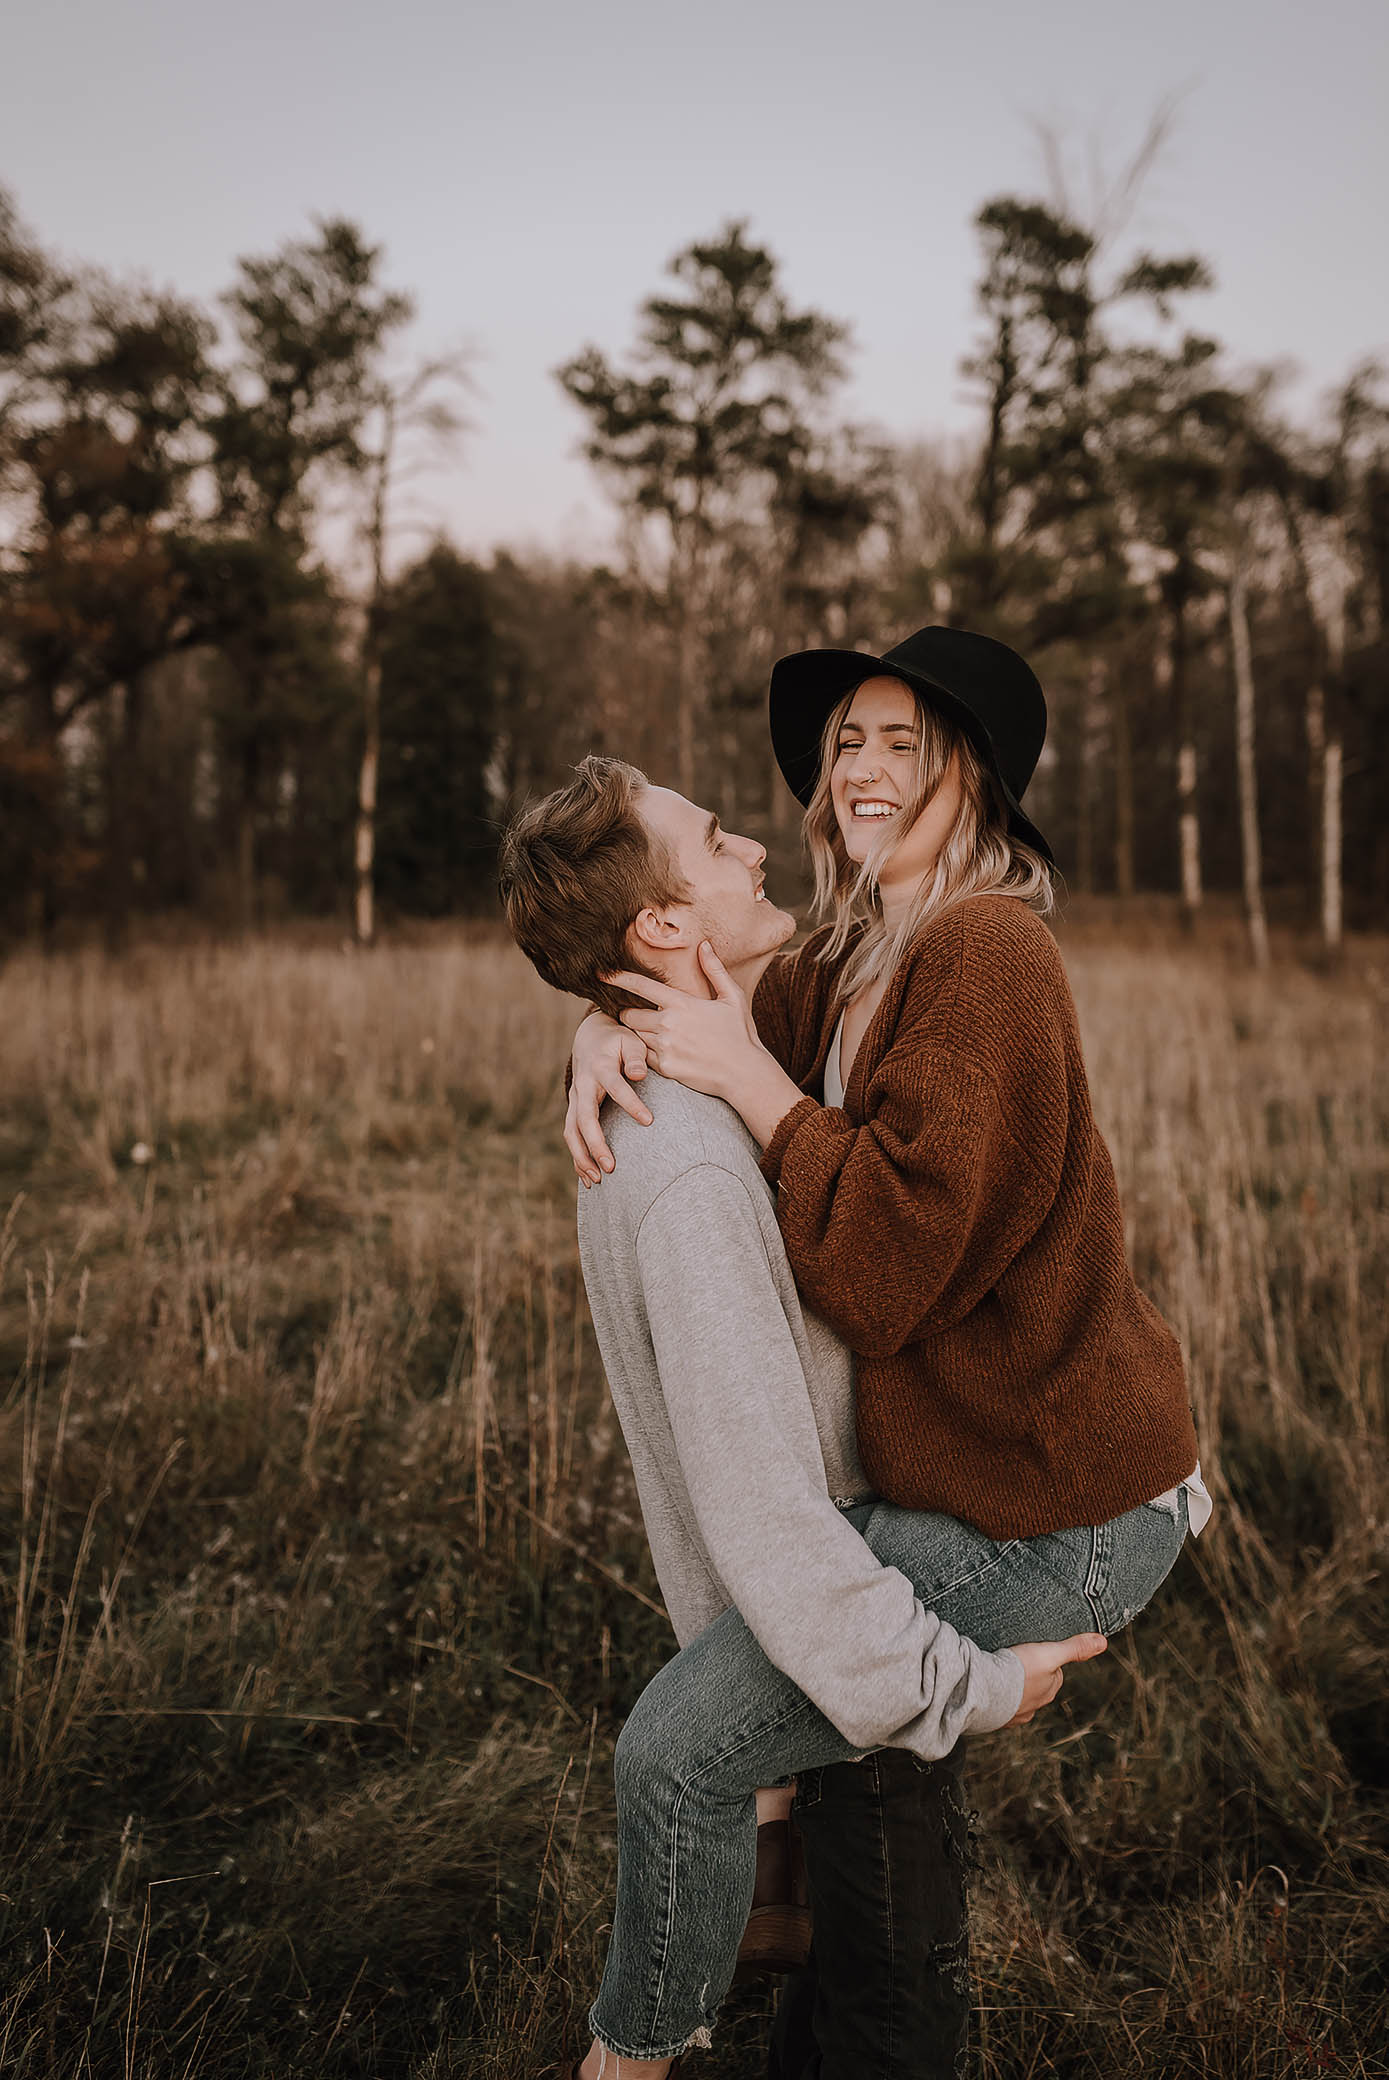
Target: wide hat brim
(979,684)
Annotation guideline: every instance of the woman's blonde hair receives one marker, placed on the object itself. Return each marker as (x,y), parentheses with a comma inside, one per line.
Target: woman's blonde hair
(980,855)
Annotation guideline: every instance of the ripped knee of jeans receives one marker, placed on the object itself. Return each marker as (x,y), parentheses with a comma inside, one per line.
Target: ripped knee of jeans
(951,1960)
(961,1831)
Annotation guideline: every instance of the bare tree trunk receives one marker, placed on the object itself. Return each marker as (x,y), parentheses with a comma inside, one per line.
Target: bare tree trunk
(1172,668)
(729,794)
(1250,854)
(1190,833)
(247,804)
(1331,850)
(685,709)
(409,403)
(43,905)
(364,850)
(1331,827)
(246,863)
(1314,722)
(116,881)
(1091,703)
(689,704)
(1121,724)
(1323,726)
(783,803)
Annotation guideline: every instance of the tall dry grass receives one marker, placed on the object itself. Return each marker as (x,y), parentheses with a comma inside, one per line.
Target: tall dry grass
(326,1590)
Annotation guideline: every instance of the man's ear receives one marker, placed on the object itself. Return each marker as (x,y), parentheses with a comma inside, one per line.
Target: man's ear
(661,931)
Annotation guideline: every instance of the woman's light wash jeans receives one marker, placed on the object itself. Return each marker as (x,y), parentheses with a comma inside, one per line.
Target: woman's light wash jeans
(720,1719)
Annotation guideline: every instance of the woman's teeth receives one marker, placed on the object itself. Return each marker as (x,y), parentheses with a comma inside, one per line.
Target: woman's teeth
(875,808)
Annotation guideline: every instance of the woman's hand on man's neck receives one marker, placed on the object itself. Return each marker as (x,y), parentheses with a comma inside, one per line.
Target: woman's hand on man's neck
(682,970)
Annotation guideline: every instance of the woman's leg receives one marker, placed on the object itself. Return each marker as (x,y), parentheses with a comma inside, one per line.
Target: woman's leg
(1001,1592)
(719,1720)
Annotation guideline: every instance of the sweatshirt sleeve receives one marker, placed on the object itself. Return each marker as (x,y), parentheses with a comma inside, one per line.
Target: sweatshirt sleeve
(904,1224)
(693,1597)
(848,1631)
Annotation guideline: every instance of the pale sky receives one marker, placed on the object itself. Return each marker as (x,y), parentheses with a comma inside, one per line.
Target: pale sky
(529,168)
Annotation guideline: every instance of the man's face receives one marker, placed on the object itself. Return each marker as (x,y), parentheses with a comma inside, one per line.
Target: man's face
(723,872)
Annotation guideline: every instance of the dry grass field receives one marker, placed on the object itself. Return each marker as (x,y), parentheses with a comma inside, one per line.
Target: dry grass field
(324,1588)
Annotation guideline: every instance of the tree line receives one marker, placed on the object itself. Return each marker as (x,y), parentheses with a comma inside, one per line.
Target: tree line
(223,692)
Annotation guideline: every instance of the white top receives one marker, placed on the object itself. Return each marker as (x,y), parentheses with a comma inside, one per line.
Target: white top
(1198,1501)
(834,1081)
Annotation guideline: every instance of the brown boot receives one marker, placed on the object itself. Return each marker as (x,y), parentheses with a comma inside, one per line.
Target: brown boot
(777,1937)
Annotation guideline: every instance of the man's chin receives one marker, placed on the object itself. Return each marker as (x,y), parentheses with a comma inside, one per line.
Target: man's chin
(775,927)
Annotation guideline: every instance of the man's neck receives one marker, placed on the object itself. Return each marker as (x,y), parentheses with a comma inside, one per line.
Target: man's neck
(682,971)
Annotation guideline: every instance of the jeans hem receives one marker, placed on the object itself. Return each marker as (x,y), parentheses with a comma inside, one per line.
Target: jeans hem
(700,2039)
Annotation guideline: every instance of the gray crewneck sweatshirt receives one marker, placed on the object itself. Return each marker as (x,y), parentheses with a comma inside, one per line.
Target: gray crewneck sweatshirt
(737,1408)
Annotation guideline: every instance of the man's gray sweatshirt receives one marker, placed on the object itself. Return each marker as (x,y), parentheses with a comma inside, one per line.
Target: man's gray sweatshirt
(737,1408)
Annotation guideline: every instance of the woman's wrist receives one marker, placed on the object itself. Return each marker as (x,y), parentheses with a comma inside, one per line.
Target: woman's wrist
(760,1092)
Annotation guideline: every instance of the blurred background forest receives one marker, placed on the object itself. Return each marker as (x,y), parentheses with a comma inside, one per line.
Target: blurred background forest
(233,690)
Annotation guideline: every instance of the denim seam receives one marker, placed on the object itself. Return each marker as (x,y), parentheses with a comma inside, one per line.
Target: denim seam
(967,1581)
(1096,1576)
(799,1710)
(750,1735)
(891,1931)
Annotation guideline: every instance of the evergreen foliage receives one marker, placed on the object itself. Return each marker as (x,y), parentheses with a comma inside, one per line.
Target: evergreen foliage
(436,830)
(191,687)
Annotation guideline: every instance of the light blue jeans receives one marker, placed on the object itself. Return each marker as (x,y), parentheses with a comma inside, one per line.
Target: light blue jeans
(720,1719)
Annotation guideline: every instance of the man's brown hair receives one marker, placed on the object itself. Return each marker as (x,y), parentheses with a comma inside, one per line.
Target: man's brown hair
(574,871)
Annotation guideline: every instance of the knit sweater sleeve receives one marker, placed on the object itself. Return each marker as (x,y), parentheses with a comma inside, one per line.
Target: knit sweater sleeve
(902,1225)
(848,1631)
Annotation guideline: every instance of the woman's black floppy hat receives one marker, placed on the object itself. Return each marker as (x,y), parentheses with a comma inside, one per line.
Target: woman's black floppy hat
(981,685)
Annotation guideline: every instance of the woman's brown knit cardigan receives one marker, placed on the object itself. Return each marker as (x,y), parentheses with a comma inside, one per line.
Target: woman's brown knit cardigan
(958,1223)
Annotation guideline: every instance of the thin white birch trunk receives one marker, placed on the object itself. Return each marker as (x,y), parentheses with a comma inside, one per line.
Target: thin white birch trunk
(1189,831)
(1172,672)
(1250,849)
(1324,585)
(364,849)
(1091,706)
(1123,791)
(1331,849)
(1331,825)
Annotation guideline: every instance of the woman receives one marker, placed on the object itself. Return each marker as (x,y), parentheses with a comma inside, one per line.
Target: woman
(913,1075)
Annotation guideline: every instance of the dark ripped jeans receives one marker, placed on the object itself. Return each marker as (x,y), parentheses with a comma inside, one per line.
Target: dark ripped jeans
(886,1993)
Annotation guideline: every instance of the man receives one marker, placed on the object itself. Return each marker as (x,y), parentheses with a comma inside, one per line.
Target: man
(736,1406)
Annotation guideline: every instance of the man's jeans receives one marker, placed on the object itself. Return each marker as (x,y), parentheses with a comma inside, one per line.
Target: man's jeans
(719,1720)
(886,1993)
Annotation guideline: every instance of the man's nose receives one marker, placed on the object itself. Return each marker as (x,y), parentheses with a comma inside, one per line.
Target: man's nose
(752,851)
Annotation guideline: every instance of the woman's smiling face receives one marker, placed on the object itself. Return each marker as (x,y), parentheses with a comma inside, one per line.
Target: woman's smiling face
(874,782)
